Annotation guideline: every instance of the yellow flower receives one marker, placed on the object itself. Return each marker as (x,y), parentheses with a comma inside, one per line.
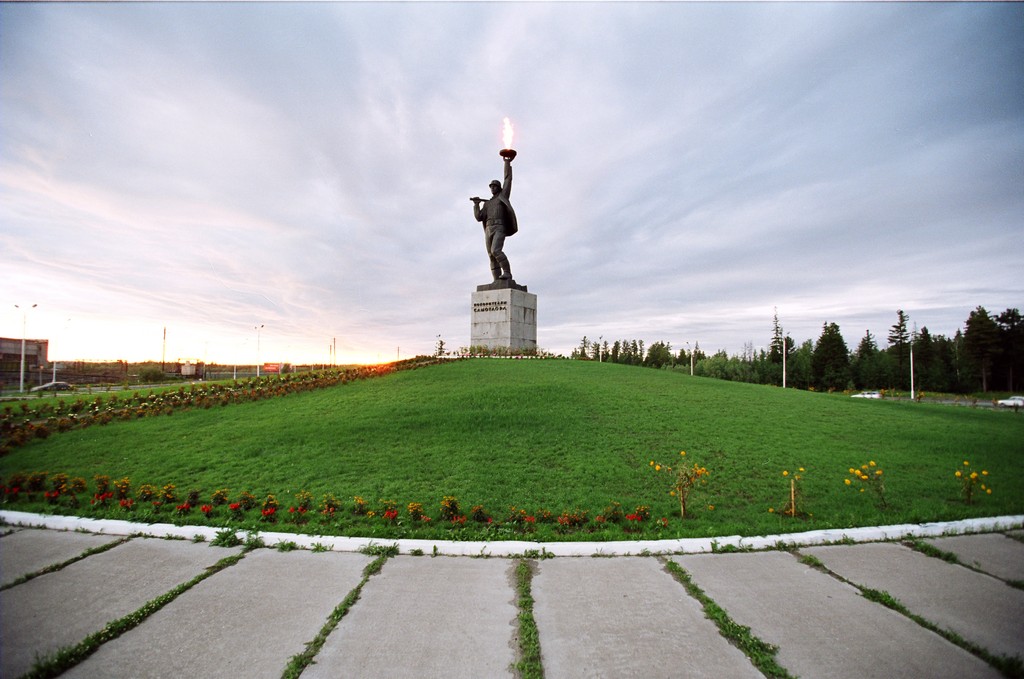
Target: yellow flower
(711,508)
(771,510)
(958,474)
(852,470)
(785,473)
(878,472)
(657,467)
(652,463)
(872,463)
(672,493)
(848,482)
(966,463)
(984,472)
(682,453)
(988,491)
(800,470)
(974,475)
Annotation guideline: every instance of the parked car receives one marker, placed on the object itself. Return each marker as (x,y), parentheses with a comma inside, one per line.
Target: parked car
(1012,402)
(868,394)
(53,386)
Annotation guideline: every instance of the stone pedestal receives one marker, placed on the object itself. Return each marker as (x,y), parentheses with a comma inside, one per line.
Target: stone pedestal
(504,316)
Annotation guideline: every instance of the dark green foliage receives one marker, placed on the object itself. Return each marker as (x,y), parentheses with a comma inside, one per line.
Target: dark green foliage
(982,344)
(830,362)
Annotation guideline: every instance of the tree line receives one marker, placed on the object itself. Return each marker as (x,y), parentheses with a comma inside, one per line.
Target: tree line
(987,354)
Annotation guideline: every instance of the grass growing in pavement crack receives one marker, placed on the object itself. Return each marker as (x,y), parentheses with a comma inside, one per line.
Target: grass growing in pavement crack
(933,551)
(529,665)
(1011,667)
(65,658)
(760,653)
(302,660)
(64,564)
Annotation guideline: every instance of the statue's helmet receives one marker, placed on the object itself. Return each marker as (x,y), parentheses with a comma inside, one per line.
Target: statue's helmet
(495,185)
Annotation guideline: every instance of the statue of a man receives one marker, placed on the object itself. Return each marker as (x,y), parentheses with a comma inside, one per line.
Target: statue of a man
(499,221)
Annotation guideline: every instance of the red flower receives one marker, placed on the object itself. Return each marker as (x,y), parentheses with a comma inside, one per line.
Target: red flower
(206,509)
(269,511)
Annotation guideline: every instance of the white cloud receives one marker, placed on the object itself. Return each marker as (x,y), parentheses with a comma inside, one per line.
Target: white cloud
(683,169)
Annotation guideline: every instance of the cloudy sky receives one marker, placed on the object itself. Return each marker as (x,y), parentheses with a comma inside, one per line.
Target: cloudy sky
(684,169)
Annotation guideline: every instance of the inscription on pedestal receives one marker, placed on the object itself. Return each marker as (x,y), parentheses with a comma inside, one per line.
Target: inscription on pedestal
(504,319)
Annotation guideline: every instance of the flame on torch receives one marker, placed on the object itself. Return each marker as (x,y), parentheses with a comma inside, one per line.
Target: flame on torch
(506,134)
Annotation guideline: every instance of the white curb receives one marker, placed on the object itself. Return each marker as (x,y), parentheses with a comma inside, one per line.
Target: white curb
(522,547)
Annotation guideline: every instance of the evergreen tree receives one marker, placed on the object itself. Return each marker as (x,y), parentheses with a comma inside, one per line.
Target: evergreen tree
(982,344)
(865,368)
(830,362)
(799,366)
(778,343)
(899,349)
(1010,365)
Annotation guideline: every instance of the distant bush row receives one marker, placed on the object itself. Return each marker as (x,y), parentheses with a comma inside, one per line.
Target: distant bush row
(20,425)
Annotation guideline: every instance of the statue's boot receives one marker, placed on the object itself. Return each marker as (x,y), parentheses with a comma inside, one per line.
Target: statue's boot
(496,273)
(506,267)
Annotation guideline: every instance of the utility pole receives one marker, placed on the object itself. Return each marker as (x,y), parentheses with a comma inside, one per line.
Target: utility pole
(258,328)
(913,337)
(24,326)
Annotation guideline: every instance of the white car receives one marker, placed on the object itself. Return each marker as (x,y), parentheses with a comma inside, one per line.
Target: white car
(868,394)
(53,386)
(1012,402)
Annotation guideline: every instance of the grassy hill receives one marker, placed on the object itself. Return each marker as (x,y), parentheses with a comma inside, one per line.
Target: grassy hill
(561,436)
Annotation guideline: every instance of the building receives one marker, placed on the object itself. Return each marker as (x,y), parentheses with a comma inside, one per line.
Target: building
(36,362)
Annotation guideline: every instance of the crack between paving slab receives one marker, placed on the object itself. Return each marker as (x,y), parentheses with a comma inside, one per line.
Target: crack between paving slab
(760,653)
(529,663)
(65,658)
(301,661)
(1008,666)
(53,568)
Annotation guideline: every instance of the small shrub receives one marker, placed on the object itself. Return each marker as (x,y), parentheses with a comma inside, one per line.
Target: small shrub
(123,488)
(869,477)
(102,482)
(449,507)
(359,506)
(970,481)
(684,480)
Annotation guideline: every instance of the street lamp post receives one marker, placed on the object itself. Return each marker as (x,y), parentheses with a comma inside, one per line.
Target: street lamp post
(785,350)
(258,328)
(913,338)
(24,326)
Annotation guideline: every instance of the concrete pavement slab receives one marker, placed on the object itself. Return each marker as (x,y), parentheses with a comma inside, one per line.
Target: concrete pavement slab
(62,608)
(976,606)
(822,626)
(245,621)
(626,617)
(993,553)
(30,550)
(427,617)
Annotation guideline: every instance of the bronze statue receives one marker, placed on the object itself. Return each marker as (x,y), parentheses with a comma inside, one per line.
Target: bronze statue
(499,220)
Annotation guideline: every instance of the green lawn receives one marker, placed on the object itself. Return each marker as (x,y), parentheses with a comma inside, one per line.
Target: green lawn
(560,436)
